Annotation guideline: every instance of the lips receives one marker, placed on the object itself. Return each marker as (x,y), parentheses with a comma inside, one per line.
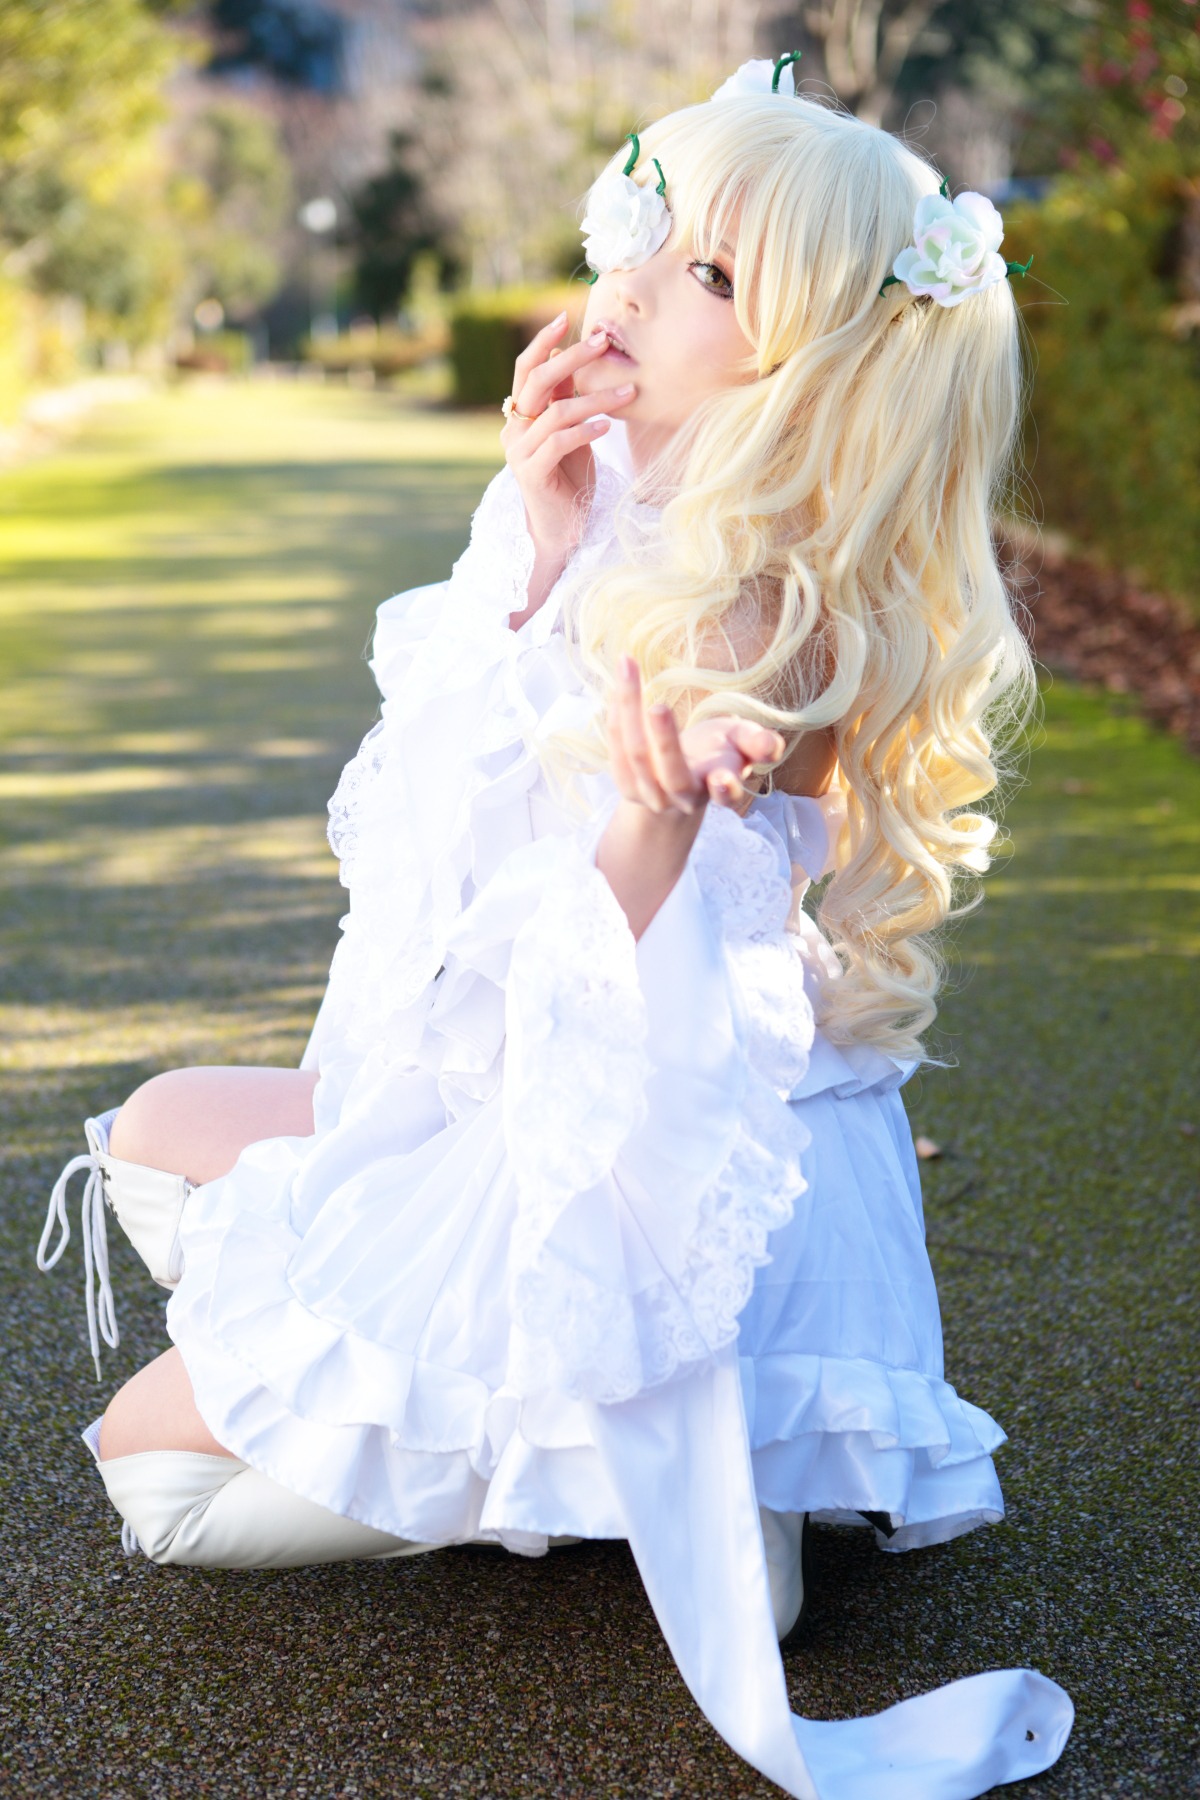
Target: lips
(616,342)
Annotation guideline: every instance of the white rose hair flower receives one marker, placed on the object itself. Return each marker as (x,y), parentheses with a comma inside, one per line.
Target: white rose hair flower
(955,249)
(625,223)
(761,77)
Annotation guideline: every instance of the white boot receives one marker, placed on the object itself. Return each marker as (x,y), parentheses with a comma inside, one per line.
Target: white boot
(789,1570)
(214,1512)
(148,1204)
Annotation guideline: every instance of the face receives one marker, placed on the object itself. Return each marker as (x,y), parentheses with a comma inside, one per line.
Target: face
(674,335)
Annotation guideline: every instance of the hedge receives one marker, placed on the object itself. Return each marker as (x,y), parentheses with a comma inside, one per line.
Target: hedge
(489,331)
(1113,452)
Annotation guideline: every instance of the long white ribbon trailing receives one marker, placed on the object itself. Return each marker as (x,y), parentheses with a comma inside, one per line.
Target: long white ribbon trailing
(678,1458)
(97,1287)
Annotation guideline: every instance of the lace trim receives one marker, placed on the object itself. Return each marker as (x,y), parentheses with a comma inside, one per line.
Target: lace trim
(739,874)
(750,900)
(495,568)
(574,1334)
(574,1079)
(345,804)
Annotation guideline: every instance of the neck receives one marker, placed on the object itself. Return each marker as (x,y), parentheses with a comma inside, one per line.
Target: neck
(646,443)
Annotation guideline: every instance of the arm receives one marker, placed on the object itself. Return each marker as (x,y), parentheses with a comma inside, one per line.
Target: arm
(666,779)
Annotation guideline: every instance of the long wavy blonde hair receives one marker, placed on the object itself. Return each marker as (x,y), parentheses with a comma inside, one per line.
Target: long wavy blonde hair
(823,556)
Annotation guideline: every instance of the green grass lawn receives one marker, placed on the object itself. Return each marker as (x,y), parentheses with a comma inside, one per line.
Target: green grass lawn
(185,597)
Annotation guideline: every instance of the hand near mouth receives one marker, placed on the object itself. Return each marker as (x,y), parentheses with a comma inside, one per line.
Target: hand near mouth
(547,444)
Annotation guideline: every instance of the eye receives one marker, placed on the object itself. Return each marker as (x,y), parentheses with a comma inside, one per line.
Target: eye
(712,276)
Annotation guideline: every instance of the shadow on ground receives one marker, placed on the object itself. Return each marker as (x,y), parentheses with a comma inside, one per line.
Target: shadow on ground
(186,599)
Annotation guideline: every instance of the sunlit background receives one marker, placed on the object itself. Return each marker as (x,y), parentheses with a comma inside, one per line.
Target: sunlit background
(387,191)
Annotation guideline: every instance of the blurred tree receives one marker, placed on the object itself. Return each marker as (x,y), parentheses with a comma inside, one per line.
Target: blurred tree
(1141,63)
(522,99)
(81,97)
(301,42)
(391,225)
(1000,69)
(881,56)
(80,89)
(231,192)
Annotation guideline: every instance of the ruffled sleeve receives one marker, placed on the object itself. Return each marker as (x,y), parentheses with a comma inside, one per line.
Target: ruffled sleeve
(644,1104)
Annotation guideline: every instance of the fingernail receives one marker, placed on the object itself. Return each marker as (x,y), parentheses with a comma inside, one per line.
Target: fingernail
(598,337)
(561,319)
(599,426)
(660,709)
(623,393)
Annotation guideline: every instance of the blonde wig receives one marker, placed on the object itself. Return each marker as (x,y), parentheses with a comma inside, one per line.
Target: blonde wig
(823,556)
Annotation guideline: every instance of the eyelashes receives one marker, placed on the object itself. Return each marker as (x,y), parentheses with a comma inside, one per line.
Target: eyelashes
(712,277)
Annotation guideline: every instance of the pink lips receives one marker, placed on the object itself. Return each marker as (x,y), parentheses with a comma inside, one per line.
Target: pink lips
(615,341)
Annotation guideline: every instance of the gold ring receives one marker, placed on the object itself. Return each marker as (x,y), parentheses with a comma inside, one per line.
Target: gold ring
(509,409)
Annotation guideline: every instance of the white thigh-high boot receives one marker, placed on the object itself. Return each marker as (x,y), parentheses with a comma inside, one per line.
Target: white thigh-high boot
(213,1512)
(148,1205)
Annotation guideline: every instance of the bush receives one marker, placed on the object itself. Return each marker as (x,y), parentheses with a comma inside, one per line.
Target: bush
(385,353)
(218,353)
(489,331)
(1114,446)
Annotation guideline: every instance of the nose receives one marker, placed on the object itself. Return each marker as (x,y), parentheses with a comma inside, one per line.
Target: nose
(634,288)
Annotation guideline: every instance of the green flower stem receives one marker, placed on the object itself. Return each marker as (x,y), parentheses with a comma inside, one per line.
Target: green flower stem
(631,164)
(781,63)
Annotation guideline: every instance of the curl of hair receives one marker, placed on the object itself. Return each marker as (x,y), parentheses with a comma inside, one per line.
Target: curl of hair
(822,558)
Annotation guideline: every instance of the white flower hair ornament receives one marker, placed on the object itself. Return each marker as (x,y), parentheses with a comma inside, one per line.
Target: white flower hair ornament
(625,223)
(761,77)
(955,249)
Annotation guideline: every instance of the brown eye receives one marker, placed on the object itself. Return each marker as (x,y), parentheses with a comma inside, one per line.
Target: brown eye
(711,276)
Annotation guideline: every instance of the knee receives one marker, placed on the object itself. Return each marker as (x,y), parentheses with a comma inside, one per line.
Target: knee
(118,1436)
(156,1410)
(150,1122)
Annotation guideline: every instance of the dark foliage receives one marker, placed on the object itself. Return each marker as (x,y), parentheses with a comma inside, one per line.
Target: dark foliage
(299,42)
(391,224)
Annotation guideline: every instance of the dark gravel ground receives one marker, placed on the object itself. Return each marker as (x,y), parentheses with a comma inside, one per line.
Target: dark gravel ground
(185,599)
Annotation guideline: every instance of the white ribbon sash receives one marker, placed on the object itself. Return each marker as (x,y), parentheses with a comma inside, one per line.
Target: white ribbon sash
(678,1458)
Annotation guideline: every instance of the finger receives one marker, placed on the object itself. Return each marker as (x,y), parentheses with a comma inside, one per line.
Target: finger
(544,458)
(538,348)
(535,385)
(622,773)
(637,744)
(575,409)
(674,772)
(757,743)
(724,788)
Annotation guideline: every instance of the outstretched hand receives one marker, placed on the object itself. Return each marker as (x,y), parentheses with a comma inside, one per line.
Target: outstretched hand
(671,771)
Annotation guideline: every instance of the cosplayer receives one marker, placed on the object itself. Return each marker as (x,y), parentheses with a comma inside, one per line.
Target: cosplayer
(593,1211)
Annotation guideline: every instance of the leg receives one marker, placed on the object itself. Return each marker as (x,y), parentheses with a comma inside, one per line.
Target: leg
(193,1122)
(206,1509)
(197,1122)
(156,1410)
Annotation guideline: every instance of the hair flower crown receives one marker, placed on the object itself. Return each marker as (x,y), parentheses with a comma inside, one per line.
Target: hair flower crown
(955,249)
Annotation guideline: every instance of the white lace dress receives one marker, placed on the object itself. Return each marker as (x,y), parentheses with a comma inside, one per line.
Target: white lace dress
(593,1237)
